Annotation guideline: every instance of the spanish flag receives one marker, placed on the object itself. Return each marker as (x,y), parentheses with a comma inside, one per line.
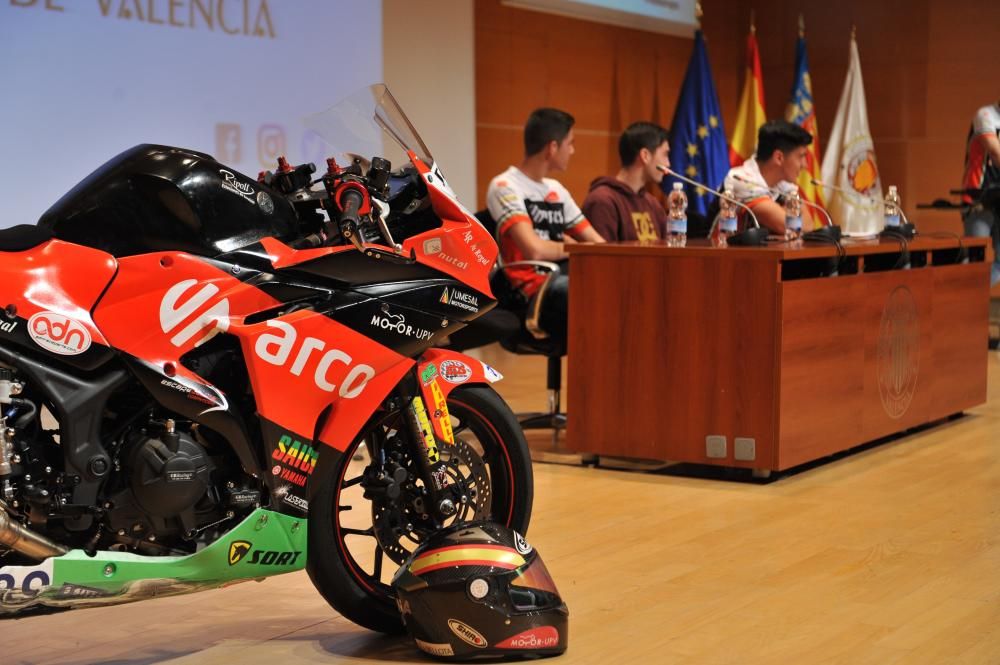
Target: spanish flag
(750,115)
(801,112)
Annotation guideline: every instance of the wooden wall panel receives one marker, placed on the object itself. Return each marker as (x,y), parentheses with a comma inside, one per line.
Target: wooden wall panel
(927,65)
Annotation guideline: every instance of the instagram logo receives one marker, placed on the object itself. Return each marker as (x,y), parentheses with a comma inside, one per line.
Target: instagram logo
(270,144)
(228,142)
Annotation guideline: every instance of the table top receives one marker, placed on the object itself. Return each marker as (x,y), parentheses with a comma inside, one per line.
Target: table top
(775,251)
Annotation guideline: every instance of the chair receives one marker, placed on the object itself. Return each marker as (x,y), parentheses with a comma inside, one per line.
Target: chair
(514,324)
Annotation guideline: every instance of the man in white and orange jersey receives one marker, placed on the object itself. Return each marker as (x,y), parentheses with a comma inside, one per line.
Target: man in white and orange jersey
(762,182)
(534,213)
(982,171)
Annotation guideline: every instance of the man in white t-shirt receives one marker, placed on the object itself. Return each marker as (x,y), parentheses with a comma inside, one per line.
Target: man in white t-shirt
(982,171)
(762,182)
(534,213)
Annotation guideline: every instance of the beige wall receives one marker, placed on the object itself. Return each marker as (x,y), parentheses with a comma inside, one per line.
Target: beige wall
(428,48)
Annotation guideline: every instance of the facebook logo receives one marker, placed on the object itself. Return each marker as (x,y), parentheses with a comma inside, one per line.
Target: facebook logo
(228,142)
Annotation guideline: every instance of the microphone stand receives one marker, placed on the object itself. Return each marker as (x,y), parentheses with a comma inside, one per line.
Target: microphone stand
(829,233)
(906,230)
(754,237)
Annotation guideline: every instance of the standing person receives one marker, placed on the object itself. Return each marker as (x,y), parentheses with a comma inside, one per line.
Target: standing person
(982,170)
(533,213)
(762,182)
(620,208)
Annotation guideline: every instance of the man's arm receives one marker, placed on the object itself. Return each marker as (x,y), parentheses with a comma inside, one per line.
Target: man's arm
(992,145)
(533,247)
(588,234)
(770,215)
(602,216)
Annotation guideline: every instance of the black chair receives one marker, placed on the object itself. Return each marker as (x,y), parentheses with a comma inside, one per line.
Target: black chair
(514,324)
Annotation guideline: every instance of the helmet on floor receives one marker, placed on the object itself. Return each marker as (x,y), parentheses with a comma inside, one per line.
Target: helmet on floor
(479,589)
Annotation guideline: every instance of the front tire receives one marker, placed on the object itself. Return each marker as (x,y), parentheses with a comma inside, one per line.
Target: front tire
(348,562)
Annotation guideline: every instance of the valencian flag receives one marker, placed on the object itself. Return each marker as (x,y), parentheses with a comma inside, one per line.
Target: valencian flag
(801,112)
(750,115)
(697,140)
(849,164)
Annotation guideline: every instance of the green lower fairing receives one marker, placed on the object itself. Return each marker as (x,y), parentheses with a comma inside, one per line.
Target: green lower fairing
(265,543)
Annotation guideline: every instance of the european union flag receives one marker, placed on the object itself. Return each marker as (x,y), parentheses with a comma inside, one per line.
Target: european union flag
(698,146)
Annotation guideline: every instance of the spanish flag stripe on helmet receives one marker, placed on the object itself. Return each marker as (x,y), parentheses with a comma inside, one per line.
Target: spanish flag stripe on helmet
(467,555)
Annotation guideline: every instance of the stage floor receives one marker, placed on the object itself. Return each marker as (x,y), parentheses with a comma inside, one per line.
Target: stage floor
(890,554)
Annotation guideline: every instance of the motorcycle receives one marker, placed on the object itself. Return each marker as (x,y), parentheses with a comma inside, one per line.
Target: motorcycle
(207,379)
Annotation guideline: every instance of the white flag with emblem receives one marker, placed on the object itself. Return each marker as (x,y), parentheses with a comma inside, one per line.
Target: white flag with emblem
(849,163)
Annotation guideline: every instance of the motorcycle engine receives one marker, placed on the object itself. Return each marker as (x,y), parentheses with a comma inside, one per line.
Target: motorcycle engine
(169,487)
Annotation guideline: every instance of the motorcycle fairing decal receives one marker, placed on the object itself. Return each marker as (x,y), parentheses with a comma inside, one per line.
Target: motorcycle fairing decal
(461,247)
(303,362)
(61,279)
(160,306)
(435,386)
(282,256)
(265,543)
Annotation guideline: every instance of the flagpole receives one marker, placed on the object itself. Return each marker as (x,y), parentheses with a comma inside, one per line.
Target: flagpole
(802,26)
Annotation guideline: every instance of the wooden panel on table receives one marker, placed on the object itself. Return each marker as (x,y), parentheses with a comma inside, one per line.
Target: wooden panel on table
(899,363)
(822,359)
(665,352)
(960,331)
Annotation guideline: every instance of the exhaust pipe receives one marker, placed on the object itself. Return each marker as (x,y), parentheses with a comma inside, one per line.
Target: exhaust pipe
(26,541)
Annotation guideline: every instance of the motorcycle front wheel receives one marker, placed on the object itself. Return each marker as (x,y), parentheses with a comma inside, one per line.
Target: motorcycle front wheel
(359,534)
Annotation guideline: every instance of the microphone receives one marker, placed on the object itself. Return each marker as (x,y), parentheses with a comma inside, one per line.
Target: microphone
(754,236)
(905,230)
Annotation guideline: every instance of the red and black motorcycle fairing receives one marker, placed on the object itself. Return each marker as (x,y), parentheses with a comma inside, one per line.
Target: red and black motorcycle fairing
(325,333)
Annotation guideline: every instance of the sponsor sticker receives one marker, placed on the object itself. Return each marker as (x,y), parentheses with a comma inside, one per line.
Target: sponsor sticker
(520,544)
(296,502)
(265,202)
(460,299)
(429,373)
(432,246)
(441,413)
(467,633)
(435,649)
(543,637)
(230,183)
(491,374)
(58,333)
(29,580)
(8,327)
(237,550)
(455,371)
(397,323)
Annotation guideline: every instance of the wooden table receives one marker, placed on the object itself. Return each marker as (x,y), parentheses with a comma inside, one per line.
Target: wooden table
(756,357)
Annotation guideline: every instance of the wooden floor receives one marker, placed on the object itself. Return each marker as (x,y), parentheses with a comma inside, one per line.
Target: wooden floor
(887,555)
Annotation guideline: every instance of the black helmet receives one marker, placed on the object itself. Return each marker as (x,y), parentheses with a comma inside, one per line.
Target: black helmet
(479,589)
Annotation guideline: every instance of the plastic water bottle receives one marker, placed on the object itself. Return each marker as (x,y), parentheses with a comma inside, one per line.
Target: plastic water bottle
(677,223)
(793,214)
(727,215)
(892,206)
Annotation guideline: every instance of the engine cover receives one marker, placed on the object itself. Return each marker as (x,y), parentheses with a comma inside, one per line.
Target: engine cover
(169,474)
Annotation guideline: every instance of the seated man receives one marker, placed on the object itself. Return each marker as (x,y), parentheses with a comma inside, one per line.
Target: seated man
(762,182)
(620,208)
(533,212)
(982,172)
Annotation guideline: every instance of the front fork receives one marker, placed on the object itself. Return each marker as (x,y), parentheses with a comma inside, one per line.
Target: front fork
(430,426)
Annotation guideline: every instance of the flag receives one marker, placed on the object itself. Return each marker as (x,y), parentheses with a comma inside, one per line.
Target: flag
(849,164)
(750,115)
(697,140)
(801,112)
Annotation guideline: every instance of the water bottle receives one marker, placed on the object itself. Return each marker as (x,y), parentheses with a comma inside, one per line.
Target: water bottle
(793,214)
(727,215)
(892,206)
(677,223)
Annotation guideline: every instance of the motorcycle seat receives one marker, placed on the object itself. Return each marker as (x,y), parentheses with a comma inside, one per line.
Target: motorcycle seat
(23,236)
